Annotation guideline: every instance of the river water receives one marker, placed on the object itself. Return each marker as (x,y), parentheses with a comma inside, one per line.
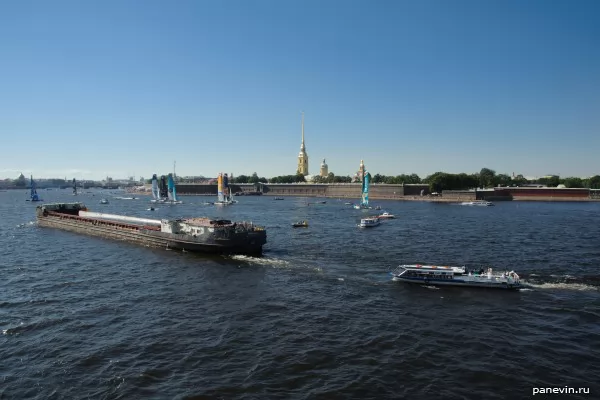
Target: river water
(316,318)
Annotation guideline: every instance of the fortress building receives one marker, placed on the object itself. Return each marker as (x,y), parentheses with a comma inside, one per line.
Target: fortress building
(324,169)
(302,157)
(361,171)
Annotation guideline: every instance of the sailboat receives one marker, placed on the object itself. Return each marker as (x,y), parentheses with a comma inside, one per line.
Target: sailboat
(364,201)
(224,197)
(164,191)
(155,190)
(171,192)
(33,195)
(74,187)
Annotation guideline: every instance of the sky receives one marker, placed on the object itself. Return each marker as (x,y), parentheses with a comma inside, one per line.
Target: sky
(125,88)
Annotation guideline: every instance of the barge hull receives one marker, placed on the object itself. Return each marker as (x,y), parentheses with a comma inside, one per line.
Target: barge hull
(147,235)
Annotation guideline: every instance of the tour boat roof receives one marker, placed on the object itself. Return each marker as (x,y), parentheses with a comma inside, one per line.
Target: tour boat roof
(417,267)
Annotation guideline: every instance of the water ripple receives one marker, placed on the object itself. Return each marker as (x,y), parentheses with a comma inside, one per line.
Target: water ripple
(316,317)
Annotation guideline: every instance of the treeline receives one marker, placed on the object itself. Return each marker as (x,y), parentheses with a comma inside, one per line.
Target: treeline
(439,181)
(488,178)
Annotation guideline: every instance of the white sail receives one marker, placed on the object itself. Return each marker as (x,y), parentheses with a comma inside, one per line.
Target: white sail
(155,192)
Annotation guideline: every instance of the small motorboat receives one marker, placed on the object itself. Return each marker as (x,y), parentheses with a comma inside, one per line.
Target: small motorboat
(104,201)
(300,224)
(386,215)
(278,198)
(369,222)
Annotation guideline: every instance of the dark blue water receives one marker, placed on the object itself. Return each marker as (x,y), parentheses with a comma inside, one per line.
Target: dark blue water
(316,317)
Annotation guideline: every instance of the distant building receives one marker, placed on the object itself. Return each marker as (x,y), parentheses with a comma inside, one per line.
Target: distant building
(324,169)
(302,157)
(361,171)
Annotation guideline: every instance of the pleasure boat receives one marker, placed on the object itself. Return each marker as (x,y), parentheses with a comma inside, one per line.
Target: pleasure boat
(484,203)
(103,201)
(301,224)
(455,276)
(369,222)
(386,215)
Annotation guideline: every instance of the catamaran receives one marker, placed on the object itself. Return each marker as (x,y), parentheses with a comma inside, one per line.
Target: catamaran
(171,192)
(165,192)
(74,187)
(364,201)
(155,191)
(33,194)
(224,197)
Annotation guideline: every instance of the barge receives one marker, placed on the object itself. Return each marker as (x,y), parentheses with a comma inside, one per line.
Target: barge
(192,234)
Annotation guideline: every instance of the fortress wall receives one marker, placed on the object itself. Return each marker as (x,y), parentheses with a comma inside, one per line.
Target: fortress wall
(415,189)
(384,191)
(462,195)
(549,193)
(292,189)
(196,189)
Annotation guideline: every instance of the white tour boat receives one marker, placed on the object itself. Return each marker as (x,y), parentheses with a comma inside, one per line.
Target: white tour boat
(483,203)
(369,222)
(456,276)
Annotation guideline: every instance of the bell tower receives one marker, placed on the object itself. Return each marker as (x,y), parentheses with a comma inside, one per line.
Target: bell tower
(361,171)
(324,169)
(302,157)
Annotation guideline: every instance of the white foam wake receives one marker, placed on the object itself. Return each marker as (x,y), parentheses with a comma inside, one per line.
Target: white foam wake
(261,260)
(562,286)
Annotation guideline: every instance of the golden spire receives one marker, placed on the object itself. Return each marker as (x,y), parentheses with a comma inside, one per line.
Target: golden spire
(302,145)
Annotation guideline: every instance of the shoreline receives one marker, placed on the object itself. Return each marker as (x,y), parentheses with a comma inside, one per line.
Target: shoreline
(428,199)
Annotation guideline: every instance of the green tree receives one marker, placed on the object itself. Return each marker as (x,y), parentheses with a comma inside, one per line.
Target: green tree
(342,179)
(519,180)
(573,182)
(378,178)
(299,178)
(242,179)
(486,177)
(502,180)
(594,182)
(550,181)
(254,178)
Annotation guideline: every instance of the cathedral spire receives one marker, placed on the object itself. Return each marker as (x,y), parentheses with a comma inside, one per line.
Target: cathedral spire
(302,145)
(302,156)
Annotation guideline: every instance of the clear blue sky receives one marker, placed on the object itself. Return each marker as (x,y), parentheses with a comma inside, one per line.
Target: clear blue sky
(90,88)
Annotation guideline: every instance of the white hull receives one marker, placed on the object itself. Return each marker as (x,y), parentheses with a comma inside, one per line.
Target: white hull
(225,203)
(166,201)
(478,203)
